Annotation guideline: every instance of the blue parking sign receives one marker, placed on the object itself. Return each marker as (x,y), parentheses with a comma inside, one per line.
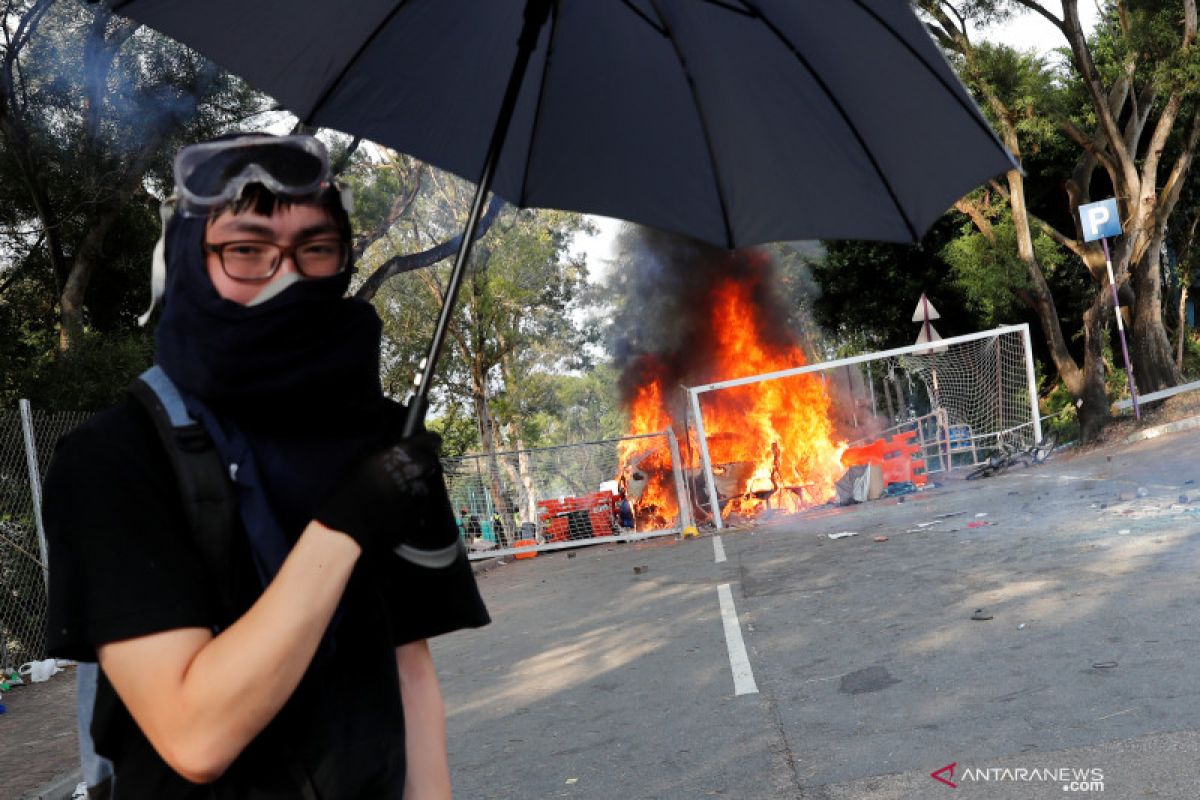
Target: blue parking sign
(1100,220)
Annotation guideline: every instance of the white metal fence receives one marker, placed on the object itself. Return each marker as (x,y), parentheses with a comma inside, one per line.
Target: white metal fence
(27,439)
(524,501)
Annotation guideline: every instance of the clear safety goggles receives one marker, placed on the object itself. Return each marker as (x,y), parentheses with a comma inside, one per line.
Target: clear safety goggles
(213,174)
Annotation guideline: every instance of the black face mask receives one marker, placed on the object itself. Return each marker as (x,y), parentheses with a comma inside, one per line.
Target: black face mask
(292,384)
(302,358)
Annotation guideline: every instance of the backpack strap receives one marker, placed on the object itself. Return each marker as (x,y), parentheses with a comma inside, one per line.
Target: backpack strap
(204,486)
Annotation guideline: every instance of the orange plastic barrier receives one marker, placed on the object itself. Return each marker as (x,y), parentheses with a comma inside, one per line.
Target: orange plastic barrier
(561,519)
(526,543)
(894,455)
(554,522)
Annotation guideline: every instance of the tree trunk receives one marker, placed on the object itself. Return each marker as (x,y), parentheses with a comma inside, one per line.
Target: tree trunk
(1094,411)
(483,415)
(82,267)
(528,488)
(1150,349)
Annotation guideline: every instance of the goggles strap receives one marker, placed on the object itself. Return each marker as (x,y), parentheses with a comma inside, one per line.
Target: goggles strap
(158,261)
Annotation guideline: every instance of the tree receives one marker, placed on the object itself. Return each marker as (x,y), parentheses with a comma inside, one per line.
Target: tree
(1135,82)
(91,106)
(869,290)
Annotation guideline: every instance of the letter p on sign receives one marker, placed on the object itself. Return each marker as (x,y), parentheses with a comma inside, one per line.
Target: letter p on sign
(1100,220)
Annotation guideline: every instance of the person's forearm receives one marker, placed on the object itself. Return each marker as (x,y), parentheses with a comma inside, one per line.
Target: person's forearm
(427,772)
(240,680)
(246,674)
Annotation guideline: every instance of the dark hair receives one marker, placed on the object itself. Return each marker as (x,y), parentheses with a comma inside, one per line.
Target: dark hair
(261,200)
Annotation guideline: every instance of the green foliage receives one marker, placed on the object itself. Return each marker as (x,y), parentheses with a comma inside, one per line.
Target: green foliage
(460,434)
(1191,357)
(869,289)
(517,325)
(94,109)
(991,275)
(93,374)
(1062,416)
(577,408)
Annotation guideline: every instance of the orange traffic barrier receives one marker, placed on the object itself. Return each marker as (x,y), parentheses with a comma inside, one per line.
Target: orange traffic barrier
(526,543)
(894,455)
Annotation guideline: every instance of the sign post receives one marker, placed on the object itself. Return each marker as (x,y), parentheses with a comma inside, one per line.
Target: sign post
(923,314)
(1101,220)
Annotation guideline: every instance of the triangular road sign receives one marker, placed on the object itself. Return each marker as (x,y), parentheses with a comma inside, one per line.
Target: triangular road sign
(923,307)
(932,337)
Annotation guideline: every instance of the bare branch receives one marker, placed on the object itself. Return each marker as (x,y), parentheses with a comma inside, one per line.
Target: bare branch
(344,162)
(1045,227)
(1036,7)
(1092,148)
(1124,169)
(977,217)
(427,258)
(1173,186)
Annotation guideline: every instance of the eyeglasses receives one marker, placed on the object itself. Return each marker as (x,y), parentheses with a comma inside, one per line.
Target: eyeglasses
(256,262)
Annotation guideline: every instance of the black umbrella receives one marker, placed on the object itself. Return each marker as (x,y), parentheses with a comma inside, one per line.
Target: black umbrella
(735,122)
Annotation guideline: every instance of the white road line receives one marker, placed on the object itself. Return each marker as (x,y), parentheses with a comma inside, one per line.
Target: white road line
(718,549)
(739,662)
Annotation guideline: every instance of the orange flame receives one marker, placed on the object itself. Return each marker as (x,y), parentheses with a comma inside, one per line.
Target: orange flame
(771,443)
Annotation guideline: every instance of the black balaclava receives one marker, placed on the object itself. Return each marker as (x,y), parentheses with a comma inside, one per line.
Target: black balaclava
(289,388)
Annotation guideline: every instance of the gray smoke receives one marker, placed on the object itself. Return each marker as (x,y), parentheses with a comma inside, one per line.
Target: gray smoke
(663,285)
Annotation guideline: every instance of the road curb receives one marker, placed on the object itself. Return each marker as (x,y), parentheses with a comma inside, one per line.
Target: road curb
(1188,424)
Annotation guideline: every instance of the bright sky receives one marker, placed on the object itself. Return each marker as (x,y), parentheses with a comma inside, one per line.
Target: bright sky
(1029,30)
(1032,30)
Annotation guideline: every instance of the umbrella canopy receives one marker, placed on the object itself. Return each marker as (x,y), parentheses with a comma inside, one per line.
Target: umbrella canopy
(735,122)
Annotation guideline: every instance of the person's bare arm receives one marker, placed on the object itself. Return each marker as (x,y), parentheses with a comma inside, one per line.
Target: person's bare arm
(427,774)
(201,699)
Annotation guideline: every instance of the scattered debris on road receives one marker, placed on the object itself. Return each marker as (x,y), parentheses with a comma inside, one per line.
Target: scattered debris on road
(981,615)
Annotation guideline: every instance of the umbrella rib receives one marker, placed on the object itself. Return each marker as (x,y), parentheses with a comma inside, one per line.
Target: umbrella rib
(708,143)
(829,95)
(367,42)
(537,108)
(730,7)
(629,4)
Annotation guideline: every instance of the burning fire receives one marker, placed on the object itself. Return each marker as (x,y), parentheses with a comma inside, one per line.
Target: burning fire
(771,443)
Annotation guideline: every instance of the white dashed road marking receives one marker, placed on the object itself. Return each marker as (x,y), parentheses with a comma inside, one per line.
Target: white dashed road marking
(739,662)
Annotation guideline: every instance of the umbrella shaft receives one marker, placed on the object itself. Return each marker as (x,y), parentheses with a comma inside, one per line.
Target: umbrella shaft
(536,14)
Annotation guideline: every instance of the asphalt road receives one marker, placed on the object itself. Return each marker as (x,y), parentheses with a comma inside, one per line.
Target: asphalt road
(600,681)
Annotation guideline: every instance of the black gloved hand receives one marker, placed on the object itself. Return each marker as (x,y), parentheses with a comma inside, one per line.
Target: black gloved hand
(396,498)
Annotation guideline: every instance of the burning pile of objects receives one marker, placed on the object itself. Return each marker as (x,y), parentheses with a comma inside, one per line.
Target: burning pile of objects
(712,316)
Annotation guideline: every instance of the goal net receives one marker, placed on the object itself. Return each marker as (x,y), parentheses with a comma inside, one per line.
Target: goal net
(780,440)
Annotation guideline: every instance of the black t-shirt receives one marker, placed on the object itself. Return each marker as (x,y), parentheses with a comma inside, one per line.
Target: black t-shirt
(123,564)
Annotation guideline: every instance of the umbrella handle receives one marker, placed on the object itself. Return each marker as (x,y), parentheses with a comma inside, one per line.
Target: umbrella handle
(536,14)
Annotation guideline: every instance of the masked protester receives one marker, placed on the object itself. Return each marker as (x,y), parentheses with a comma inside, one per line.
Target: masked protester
(295,665)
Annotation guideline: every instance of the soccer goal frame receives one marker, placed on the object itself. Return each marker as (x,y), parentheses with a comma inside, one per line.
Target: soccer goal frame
(922,349)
